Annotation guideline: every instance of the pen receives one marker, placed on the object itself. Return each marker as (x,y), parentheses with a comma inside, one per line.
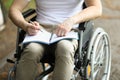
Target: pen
(37,29)
(51,37)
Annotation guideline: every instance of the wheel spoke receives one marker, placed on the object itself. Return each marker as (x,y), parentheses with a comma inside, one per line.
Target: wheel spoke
(99,51)
(100,58)
(95,73)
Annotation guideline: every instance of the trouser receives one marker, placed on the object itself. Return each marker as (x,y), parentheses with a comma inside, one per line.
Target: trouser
(63,50)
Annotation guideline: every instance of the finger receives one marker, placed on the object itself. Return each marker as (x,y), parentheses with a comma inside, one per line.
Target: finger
(58,32)
(61,33)
(31,25)
(35,25)
(64,33)
(33,32)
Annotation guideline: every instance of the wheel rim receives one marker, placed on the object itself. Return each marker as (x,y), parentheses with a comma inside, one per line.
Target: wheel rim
(100,59)
(11,74)
(76,75)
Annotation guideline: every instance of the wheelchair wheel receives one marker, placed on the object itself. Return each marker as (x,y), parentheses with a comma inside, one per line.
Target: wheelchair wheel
(100,56)
(11,74)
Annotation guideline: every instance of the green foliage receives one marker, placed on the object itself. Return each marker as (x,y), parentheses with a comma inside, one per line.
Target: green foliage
(7,4)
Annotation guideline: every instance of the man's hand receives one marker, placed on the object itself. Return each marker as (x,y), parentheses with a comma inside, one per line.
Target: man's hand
(63,28)
(32,28)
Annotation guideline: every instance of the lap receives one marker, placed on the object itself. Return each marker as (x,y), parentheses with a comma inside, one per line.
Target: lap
(38,49)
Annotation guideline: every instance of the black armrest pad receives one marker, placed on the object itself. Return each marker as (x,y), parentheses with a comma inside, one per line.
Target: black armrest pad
(28,12)
(21,36)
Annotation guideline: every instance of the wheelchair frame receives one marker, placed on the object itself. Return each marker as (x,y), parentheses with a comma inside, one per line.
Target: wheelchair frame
(85,58)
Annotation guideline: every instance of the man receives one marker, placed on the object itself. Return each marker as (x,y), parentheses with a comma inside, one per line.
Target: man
(65,15)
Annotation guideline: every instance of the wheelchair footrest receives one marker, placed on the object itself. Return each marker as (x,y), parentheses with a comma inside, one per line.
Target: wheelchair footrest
(44,73)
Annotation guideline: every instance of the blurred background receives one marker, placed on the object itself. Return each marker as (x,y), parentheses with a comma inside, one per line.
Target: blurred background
(109,21)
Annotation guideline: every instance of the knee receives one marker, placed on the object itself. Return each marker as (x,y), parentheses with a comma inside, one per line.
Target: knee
(33,51)
(65,49)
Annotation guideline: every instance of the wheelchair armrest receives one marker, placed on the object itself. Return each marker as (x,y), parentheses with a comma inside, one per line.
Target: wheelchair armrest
(21,35)
(84,25)
(28,12)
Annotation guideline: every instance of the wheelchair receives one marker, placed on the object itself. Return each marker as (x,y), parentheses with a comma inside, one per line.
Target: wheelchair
(92,59)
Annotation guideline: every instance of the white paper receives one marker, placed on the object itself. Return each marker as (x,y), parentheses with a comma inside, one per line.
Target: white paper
(46,37)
